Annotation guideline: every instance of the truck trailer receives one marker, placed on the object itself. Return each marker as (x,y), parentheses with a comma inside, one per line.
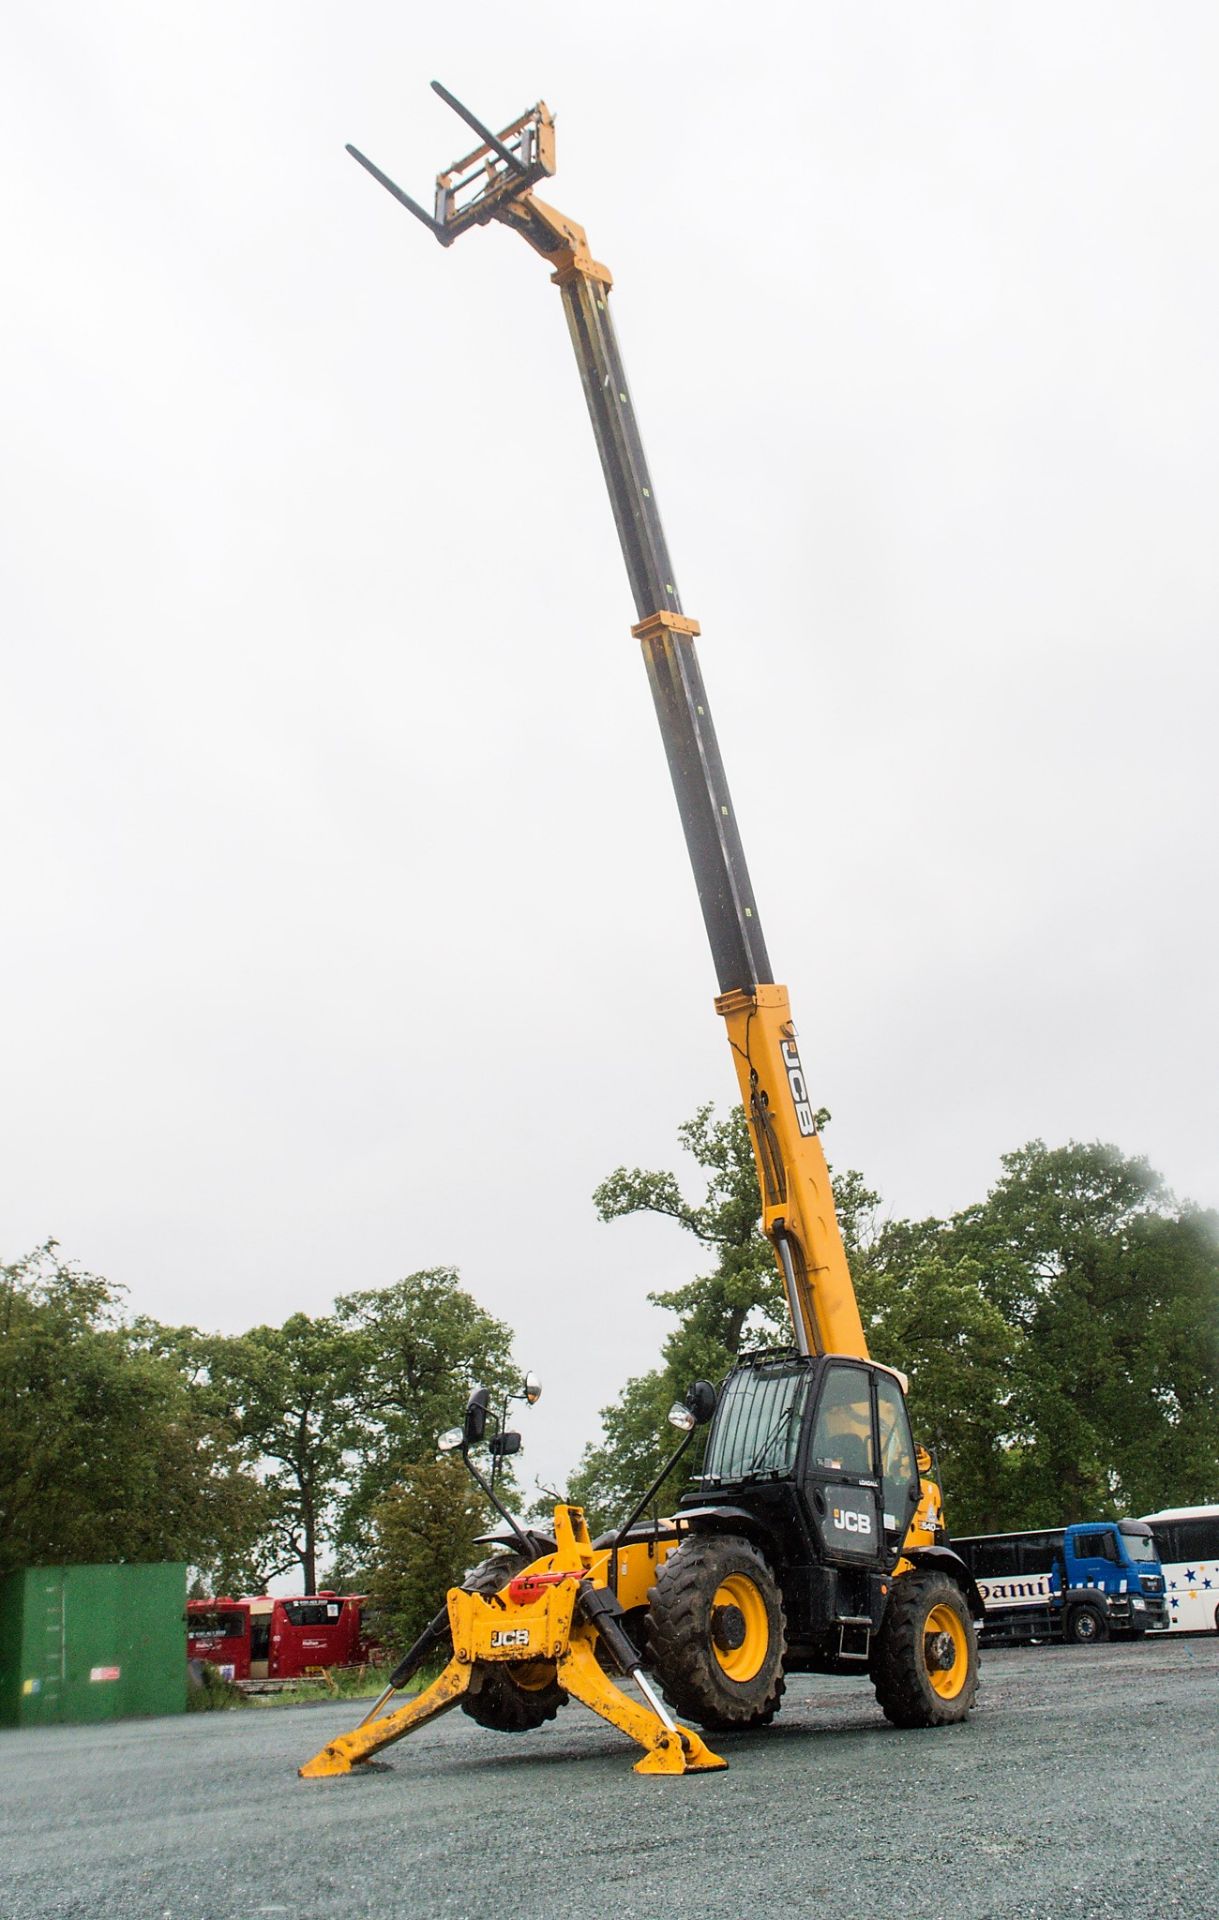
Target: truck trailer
(1095,1580)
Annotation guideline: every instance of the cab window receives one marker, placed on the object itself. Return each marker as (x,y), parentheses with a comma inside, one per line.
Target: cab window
(899,1472)
(842,1434)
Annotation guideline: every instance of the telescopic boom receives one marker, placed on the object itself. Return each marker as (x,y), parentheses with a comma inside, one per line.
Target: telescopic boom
(495,182)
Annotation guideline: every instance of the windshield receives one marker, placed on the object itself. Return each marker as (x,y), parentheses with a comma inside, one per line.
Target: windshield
(758,1423)
(1140,1546)
(231,1626)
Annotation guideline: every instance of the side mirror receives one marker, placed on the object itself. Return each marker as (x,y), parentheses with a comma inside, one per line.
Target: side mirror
(701,1400)
(505,1443)
(533,1389)
(476,1416)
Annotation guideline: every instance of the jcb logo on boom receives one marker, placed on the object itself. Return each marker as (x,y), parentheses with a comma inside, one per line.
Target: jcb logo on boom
(848,1521)
(806,1119)
(510,1637)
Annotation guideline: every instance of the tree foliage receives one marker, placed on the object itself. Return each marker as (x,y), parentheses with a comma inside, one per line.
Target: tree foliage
(1061,1336)
(418,1348)
(424,1541)
(106,1453)
(740,1301)
(289,1391)
(244,1455)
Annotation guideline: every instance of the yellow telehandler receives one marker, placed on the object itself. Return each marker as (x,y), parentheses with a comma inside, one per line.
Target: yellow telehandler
(814,1541)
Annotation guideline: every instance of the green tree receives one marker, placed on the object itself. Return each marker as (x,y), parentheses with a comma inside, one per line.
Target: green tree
(1113,1292)
(1061,1337)
(290,1391)
(424,1533)
(740,1301)
(927,1314)
(106,1452)
(418,1347)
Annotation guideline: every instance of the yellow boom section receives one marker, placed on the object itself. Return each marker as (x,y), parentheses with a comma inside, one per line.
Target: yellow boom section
(798,1214)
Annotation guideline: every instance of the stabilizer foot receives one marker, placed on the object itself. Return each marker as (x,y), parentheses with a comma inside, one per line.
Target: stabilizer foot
(350,1748)
(676,1751)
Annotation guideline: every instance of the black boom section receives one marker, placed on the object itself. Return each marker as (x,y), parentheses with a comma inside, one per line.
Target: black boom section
(493,183)
(708,819)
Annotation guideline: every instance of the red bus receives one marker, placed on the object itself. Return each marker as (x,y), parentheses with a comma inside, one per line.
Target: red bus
(264,1638)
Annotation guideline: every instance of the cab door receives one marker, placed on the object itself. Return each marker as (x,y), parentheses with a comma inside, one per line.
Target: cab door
(899,1479)
(841,1479)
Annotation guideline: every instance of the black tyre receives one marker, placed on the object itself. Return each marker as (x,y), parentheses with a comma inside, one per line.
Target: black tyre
(924,1662)
(717,1635)
(517,1699)
(1086,1627)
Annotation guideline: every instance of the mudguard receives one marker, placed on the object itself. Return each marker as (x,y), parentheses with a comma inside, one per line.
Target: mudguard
(944,1560)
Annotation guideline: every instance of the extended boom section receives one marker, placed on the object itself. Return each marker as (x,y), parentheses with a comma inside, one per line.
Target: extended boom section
(495,183)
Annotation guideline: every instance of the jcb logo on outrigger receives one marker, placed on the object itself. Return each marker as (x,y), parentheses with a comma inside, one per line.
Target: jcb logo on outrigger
(510,1637)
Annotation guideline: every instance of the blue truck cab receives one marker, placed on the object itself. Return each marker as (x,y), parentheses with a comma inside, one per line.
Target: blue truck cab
(1095,1580)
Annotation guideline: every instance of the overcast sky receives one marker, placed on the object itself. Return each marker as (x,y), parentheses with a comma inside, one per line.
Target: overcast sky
(349,924)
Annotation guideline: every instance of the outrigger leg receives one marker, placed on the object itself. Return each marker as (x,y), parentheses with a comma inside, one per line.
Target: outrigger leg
(552,1617)
(371,1735)
(669,1748)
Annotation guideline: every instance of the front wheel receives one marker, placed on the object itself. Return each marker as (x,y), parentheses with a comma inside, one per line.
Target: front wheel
(716,1633)
(512,1699)
(1086,1627)
(924,1662)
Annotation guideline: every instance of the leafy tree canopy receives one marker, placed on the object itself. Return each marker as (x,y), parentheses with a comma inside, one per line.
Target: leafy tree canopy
(419,1346)
(1061,1336)
(105,1452)
(424,1537)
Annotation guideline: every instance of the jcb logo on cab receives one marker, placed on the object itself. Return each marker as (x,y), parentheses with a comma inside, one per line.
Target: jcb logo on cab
(847,1521)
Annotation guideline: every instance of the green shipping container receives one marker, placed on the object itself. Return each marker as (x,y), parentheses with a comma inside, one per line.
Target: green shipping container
(91,1643)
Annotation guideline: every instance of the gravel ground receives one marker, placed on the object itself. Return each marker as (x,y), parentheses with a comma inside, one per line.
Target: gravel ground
(1085,1784)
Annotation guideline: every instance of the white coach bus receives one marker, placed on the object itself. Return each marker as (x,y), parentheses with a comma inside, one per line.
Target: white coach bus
(1187,1540)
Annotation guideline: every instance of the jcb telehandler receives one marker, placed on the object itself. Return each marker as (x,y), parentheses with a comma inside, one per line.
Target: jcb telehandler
(813,1543)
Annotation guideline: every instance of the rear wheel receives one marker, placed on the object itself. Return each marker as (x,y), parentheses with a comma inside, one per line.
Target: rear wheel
(716,1633)
(924,1662)
(1085,1626)
(510,1699)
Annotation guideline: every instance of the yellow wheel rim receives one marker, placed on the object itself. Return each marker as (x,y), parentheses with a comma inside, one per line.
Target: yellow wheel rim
(743,1662)
(944,1639)
(531,1676)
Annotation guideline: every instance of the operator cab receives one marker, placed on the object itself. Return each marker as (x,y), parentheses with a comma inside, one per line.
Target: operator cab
(837,1432)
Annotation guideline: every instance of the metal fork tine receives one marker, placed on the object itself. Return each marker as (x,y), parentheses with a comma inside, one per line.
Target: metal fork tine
(412,206)
(484,133)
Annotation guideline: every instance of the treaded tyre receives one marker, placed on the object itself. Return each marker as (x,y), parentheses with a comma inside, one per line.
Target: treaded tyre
(924,1662)
(717,1634)
(1086,1627)
(501,1702)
